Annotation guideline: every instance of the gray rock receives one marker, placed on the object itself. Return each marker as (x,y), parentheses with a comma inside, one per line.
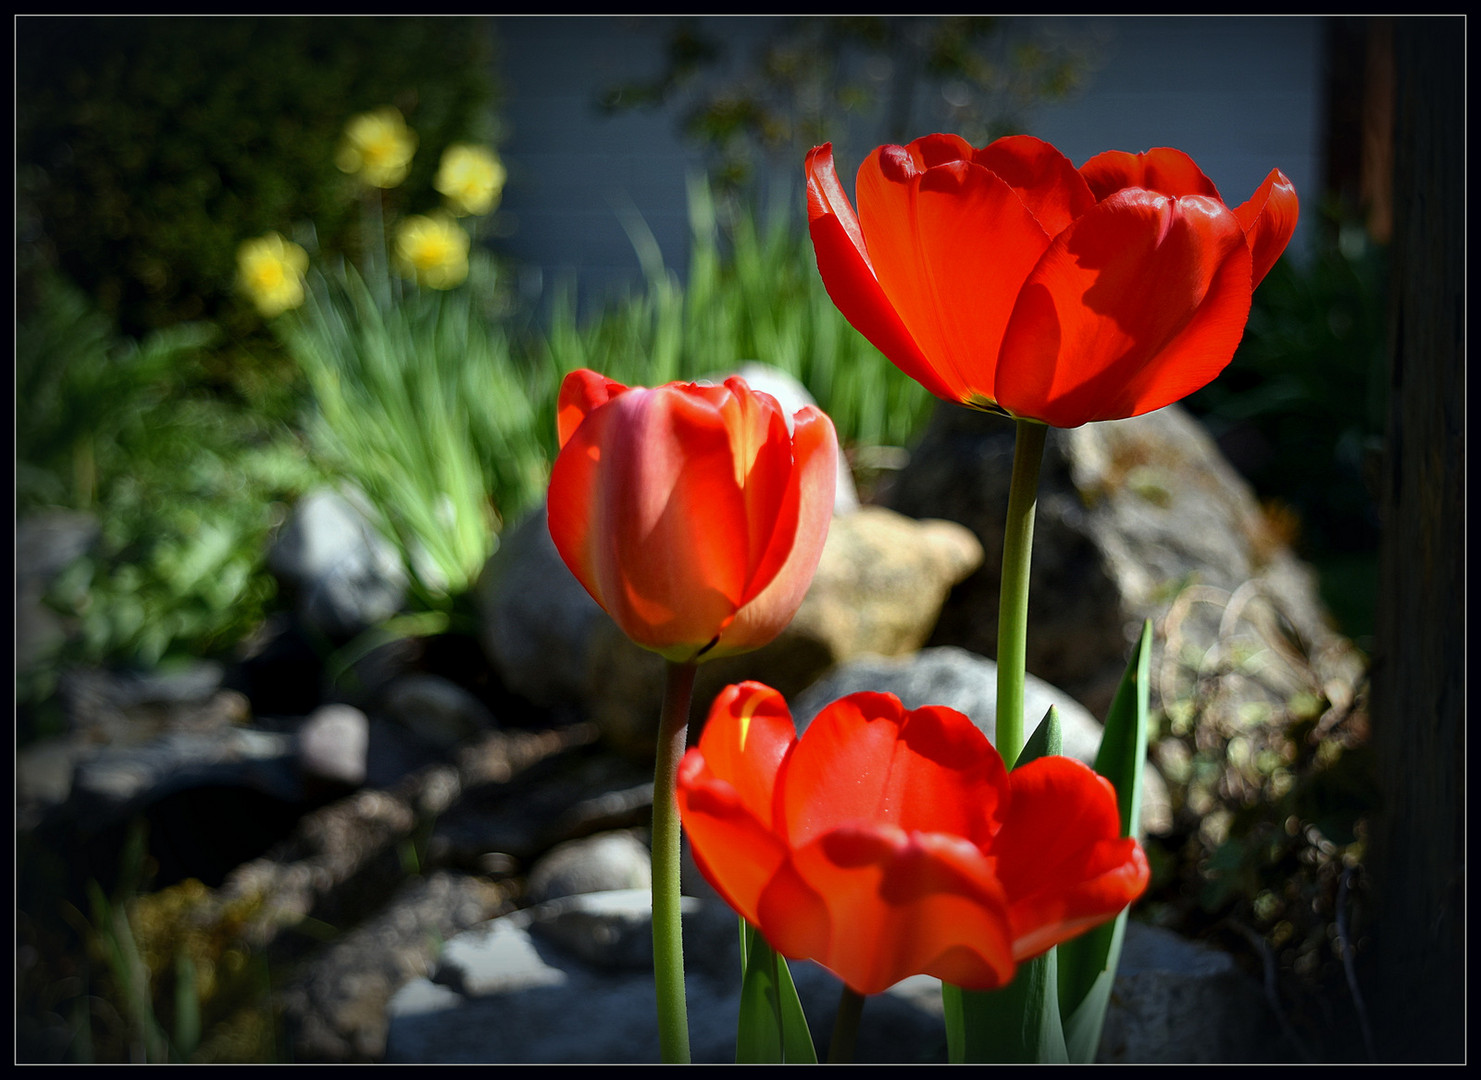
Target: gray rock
(339,745)
(494,958)
(536,619)
(1132,516)
(436,710)
(108,783)
(334,1010)
(610,930)
(333,745)
(190,684)
(576,797)
(106,707)
(967,683)
(881,583)
(341,865)
(520,995)
(135,738)
(1178,1002)
(593,864)
(344,575)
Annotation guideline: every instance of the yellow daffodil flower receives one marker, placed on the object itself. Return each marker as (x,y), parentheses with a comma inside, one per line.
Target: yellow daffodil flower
(378,146)
(471,178)
(270,270)
(433,250)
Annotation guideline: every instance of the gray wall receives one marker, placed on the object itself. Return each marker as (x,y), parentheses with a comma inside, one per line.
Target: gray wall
(1241,95)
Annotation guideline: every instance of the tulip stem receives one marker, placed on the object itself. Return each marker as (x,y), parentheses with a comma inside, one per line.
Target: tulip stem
(1018,542)
(668,936)
(845,1028)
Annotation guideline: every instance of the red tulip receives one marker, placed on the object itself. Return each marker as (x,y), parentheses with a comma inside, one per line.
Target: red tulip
(885,842)
(691,513)
(1006,279)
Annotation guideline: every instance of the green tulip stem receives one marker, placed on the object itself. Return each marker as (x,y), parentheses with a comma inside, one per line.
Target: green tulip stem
(845,1027)
(668,936)
(1018,542)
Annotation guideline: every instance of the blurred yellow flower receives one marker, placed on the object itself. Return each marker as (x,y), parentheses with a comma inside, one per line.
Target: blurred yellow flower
(378,145)
(270,270)
(433,250)
(471,177)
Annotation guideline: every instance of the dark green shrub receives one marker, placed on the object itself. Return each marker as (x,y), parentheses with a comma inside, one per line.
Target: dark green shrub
(149,148)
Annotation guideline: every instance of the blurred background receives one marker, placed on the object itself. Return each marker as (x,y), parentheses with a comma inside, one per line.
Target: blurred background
(646,218)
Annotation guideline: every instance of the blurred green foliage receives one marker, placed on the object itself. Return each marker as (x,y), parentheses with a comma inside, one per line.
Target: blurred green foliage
(149,148)
(185,485)
(1269,839)
(421,403)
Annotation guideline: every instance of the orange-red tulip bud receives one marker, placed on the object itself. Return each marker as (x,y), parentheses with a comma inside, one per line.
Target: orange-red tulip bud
(691,514)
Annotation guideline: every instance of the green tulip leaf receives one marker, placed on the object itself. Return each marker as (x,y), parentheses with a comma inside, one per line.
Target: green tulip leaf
(1046,741)
(1083,1029)
(956,1030)
(1018,1024)
(772,1028)
(1087,965)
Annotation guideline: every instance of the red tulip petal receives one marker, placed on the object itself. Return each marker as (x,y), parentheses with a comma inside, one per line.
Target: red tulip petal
(1049,185)
(1139,303)
(761,450)
(581,392)
(865,758)
(645,510)
(1163,170)
(929,151)
(843,264)
(572,509)
(736,853)
(1060,855)
(782,577)
(1269,220)
(951,247)
(746,737)
(793,916)
(875,904)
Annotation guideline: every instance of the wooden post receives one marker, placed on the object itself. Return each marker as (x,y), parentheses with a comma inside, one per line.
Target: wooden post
(1415,992)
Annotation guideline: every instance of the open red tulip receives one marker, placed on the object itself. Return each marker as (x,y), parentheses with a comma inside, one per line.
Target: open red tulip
(1006,279)
(691,513)
(888,842)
